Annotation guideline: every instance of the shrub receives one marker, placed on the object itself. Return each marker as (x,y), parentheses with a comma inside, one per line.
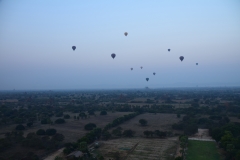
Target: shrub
(90,126)
(51,132)
(103,113)
(60,121)
(143,122)
(41,132)
(66,116)
(20,127)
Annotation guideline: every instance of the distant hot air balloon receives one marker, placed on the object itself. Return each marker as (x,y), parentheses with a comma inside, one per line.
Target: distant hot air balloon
(131,68)
(196,63)
(147,79)
(181,58)
(154,73)
(169,50)
(74,47)
(141,67)
(113,55)
(125,33)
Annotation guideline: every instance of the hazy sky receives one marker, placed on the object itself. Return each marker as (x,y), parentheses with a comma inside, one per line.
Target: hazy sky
(36,37)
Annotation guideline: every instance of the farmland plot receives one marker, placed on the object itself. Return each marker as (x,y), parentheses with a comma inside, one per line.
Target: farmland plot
(139,148)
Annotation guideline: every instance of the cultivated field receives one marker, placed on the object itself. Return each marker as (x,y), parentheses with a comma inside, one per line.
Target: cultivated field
(139,148)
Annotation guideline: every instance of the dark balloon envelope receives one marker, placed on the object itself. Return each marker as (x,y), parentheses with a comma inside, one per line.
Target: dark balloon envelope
(154,73)
(74,47)
(131,68)
(196,63)
(113,55)
(169,50)
(181,58)
(125,33)
(141,67)
(147,79)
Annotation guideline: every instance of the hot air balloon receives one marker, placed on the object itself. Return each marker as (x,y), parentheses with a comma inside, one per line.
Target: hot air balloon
(196,63)
(125,33)
(169,50)
(131,68)
(141,67)
(154,73)
(181,58)
(147,79)
(113,55)
(74,47)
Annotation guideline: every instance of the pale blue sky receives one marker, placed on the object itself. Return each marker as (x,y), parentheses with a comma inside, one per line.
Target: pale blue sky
(36,37)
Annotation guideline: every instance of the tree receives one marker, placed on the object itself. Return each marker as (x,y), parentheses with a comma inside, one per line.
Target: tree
(51,131)
(90,126)
(143,122)
(29,124)
(60,121)
(41,132)
(103,113)
(83,147)
(58,137)
(66,116)
(20,127)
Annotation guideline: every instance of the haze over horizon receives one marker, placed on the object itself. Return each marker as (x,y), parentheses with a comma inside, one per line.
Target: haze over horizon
(36,39)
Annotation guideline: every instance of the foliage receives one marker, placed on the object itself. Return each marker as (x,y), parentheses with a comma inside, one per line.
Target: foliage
(143,122)
(103,113)
(41,132)
(51,131)
(90,126)
(20,127)
(59,121)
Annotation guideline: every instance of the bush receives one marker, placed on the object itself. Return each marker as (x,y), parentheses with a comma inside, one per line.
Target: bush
(29,124)
(41,132)
(90,126)
(20,127)
(143,122)
(59,114)
(51,132)
(66,116)
(103,113)
(60,121)
(45,121)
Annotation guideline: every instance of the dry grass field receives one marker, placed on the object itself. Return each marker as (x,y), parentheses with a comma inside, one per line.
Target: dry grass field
(72,129)
(159,121)
(139,148)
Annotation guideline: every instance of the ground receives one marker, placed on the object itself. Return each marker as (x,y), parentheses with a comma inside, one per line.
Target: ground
(202,150)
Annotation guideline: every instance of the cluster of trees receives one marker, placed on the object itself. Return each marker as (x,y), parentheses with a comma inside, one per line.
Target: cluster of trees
(156,133)
(183,145)
(228,138)
(120,120)
(42,139)
(188,125)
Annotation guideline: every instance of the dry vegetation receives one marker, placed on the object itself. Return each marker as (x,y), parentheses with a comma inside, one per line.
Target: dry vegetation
(159,121)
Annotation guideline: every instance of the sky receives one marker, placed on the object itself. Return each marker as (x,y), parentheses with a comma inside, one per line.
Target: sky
(36,39)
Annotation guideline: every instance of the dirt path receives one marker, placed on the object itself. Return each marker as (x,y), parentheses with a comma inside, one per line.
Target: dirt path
(52,156)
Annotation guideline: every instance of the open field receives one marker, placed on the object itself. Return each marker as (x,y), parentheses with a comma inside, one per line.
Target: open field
(159,121)
(202,150)
(139,148)
(72,129)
